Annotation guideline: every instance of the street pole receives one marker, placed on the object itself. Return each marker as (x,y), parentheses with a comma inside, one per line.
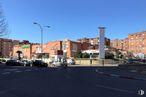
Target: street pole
(41,28)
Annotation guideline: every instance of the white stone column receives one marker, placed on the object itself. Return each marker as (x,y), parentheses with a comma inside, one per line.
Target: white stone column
(101,43)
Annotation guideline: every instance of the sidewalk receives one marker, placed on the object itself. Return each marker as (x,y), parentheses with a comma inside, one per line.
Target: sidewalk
(93,65)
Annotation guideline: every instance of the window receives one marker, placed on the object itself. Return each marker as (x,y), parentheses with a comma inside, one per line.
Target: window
(74,48)
(64,46)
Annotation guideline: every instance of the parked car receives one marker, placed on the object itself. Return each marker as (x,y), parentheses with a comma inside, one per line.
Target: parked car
(71,61)
(26,63)
(62,62)
(56,63)
(39,63)
(14,63)
(2,61)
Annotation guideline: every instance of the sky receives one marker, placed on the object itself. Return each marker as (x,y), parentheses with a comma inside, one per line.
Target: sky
(73,19)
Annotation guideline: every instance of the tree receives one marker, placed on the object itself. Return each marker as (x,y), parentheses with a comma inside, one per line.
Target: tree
(79,54)
(3,23)
(109,55)
(82,55)
(85,55)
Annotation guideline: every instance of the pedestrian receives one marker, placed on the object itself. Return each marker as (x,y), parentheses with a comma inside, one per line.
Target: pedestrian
(90,61)
(90,58)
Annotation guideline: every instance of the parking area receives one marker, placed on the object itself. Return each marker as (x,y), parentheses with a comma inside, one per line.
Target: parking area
(19,81)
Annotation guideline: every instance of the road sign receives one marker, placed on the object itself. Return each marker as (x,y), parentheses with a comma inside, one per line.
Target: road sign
(25,46)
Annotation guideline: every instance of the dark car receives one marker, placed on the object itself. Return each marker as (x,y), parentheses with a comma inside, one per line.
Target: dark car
(64,63)
(39,63)
(14,63)
(2,61)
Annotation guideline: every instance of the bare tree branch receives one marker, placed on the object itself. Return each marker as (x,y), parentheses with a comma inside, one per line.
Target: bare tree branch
(3,23)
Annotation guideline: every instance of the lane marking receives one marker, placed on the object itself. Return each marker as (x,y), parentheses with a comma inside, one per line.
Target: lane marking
(133,70)
(10,69)
(120,76)
(96,70)
(8,90)
(6,73)
(115,89)
(27,70)
(36,69)
(18,71)
(114,75)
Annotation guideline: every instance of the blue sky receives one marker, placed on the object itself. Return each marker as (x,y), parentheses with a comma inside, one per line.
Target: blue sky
(73,19)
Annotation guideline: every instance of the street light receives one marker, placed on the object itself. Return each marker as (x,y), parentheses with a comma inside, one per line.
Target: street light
(41,28)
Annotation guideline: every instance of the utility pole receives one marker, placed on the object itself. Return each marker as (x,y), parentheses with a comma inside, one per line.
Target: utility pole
(41,28)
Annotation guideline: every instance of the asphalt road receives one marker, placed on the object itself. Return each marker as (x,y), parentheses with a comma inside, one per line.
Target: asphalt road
(67,82)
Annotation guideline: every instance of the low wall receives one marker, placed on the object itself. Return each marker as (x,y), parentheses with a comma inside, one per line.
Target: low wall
(86,61)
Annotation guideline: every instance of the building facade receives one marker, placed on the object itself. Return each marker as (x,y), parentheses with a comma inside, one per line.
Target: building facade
(118,44)
(66,48)
(6,47)
(135,43)
(94,41)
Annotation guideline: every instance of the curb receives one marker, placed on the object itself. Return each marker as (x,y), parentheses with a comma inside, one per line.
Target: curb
(120,76)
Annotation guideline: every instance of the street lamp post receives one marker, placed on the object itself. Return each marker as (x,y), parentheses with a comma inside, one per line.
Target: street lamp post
(41,28)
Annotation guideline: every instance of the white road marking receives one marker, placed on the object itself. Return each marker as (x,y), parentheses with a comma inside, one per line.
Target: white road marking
(114,75)
(96,70)
(6,73)
(133,70)
(27,70)
(115,89)
(5,91)
(36,69)
(10,69)
(18,71)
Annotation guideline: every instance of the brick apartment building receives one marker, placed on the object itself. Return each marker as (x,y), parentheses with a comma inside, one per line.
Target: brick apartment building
(71,48)
(122,44)
(6,47)
(135,43)
(31,50)
(67,47)
(94,41)
(24,48)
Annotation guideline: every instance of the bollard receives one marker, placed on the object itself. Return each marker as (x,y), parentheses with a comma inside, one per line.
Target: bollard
(103,62)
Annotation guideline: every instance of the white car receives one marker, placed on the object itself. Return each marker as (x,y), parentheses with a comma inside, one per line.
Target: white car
(56,63)
(62,63)
(71,61)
